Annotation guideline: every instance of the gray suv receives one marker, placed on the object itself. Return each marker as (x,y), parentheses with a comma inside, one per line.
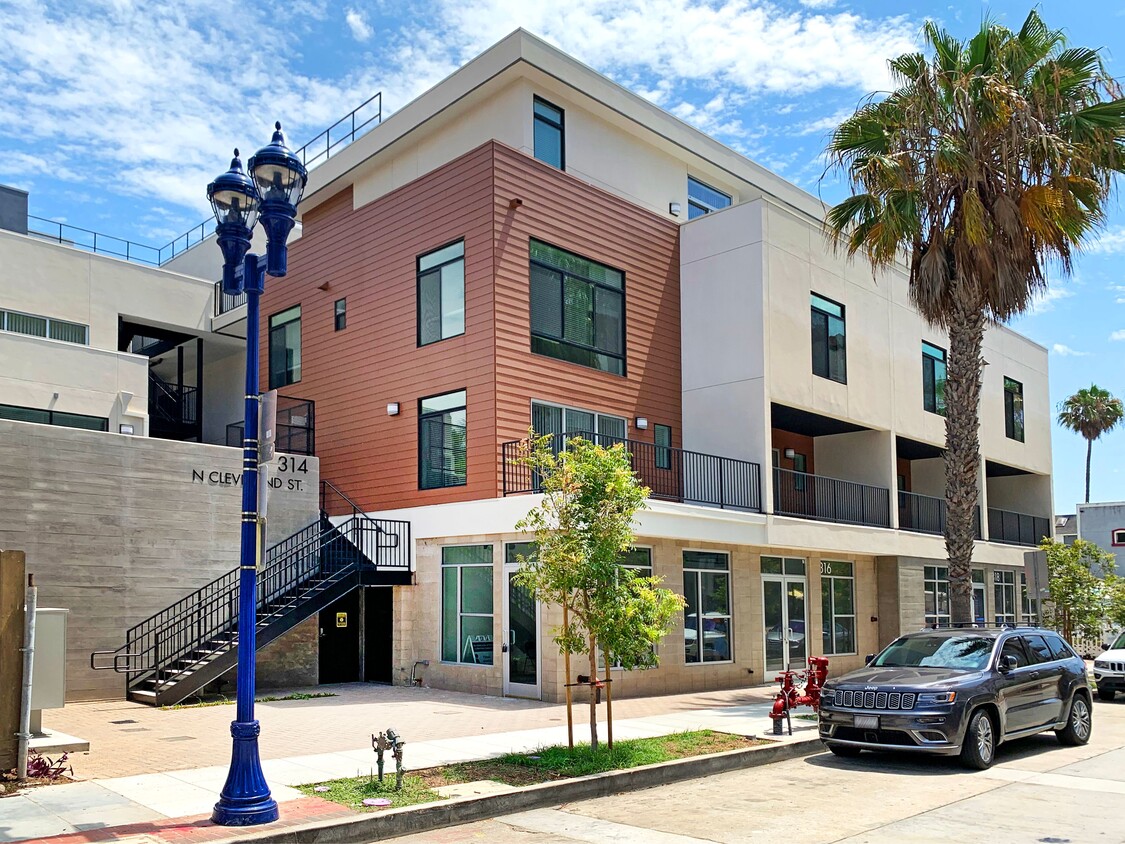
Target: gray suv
(959,691)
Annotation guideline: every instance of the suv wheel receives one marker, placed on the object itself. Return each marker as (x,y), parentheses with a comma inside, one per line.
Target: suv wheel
(845,751)
(1106,694)
(1079,723)
(979,747)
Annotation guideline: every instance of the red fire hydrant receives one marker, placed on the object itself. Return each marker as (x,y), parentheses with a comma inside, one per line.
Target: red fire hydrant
(788,697)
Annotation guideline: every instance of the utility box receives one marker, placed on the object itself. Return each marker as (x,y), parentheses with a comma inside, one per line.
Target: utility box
(48,673)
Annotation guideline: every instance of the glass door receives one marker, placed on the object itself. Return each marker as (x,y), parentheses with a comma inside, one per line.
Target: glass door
(784,612)
(521,639)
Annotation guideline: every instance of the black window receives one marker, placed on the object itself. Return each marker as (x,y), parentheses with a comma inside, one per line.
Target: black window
(577,309)
(549,134)
(285,348)
(662,435)
(53,417)
(933,378)
(441,441)
(1059,648)
(1013,647)
(703,199)
(441,293)
(829,358)
(1013,409)
(340,314)
(1038,649)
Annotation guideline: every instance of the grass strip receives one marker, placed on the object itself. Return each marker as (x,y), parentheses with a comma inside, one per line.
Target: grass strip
(226,701)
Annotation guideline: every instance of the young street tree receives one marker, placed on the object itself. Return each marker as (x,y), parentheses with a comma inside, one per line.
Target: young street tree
(1084,591)
(990,159)
(582,526)
(1091,412)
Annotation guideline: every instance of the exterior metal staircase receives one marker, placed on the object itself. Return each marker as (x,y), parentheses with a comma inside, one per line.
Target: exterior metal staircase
(176,652)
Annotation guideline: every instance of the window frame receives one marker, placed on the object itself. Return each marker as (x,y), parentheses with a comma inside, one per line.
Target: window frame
(423,417)
(51,414)
(1004,597)
(340,314)
(1115,539)
(637,568)
(940,585)
(828,317)
(48,324)
(931,361)
(663,454)
(729,616)
(559,126)
(568,432)
(594,284)
(1029,605)
(460,613)
(828,578)
(1014,419)
(704,207)
(271,328)
(418,273)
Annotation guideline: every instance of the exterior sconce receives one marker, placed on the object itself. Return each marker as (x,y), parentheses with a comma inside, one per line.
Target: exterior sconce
(674,209)
(641,423)
(790,454)
(392,409)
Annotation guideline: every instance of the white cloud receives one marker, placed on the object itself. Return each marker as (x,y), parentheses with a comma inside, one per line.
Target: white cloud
(818,4)
(1118,335)
(1063,350)
(1045,302)
(357,23)
(824,124)
(1109,242)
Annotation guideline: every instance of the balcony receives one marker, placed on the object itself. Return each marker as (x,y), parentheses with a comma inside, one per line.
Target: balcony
(808,496)
(1016,528)
(671,474)
(926,514)
(296,428)
(226,302)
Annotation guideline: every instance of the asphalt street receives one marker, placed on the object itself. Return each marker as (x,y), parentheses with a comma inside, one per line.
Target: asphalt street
(1038,792)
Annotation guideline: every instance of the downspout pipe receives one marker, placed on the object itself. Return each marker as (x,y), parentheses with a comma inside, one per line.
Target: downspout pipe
(24,734)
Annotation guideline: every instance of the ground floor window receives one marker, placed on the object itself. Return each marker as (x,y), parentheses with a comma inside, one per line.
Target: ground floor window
(466,604)
(1029,600)
(837,601)
(936,589)
(707,617)
(53,417)
(639,561)
(978,596)
(1004,596)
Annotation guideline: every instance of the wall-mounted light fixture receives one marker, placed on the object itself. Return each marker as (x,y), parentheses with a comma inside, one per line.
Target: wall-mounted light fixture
(674,209)
(641,423)
(125,428)
(392,409)
(790,454)
(515,202)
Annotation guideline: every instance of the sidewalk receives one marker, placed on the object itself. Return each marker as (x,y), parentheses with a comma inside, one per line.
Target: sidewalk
(173,805)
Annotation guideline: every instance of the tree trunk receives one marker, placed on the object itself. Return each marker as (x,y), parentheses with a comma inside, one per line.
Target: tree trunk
(1089,449)
(593,694)
(962,450)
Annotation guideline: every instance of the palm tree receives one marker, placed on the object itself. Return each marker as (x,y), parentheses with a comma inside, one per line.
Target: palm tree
(991,158)
(1091,412)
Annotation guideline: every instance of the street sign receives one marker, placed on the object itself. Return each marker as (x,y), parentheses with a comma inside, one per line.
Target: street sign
(263,490)
(267,427)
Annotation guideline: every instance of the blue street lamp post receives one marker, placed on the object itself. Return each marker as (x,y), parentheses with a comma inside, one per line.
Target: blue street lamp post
(271,191)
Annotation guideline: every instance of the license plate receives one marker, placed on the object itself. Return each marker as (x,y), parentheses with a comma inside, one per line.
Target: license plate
(867,722)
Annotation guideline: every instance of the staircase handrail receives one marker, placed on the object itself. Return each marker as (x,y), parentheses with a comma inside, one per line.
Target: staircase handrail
(359,514)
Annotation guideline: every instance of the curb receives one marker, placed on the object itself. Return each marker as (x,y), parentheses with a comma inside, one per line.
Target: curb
(462,810)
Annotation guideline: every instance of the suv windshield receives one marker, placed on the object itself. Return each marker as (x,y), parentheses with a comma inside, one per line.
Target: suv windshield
(964,653)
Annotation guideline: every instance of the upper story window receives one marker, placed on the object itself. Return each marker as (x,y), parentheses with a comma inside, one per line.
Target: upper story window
(441,293)
(662,437)
(1119,537)
(442,447)
(1013,409)
(340,314)
(577,309)
(285,348)
(568,421)
(933,378)
(829,349)
(549,137)
(37,326)
(703,199)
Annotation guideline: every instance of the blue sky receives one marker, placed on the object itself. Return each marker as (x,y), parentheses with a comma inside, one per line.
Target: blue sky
(116,113)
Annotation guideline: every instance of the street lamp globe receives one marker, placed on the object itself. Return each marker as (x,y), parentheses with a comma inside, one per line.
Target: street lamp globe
(280,179)
(235,201)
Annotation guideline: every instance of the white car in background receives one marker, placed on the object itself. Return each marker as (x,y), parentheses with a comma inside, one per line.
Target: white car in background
(1109,669)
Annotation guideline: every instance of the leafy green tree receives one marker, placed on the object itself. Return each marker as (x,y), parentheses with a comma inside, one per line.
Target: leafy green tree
(582,526)
(990,158)
(1091,412)
(1083,588)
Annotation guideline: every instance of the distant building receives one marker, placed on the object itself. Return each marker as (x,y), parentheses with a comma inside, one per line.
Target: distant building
(1102,523)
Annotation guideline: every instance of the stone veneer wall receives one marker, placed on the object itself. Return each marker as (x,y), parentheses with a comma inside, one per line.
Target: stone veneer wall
(117,528)
(418,625)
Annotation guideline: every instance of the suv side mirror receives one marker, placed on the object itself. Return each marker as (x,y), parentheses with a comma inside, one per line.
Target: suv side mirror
(1008,663)
(870,658)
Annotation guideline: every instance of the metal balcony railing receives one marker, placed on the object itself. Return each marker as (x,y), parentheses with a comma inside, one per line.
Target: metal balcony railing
(809,496)
(296,427)
(1016,528)
(926,514)
(227,301)
(177,404)
(671,474)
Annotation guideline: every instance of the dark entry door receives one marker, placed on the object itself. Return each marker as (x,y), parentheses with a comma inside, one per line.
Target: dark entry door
(339,640)
(378,631)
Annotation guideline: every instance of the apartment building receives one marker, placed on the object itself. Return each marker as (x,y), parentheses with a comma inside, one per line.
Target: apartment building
(530,246)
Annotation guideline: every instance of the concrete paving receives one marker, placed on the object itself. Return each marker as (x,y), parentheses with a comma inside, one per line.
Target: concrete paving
(186,792)
(1038,791)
